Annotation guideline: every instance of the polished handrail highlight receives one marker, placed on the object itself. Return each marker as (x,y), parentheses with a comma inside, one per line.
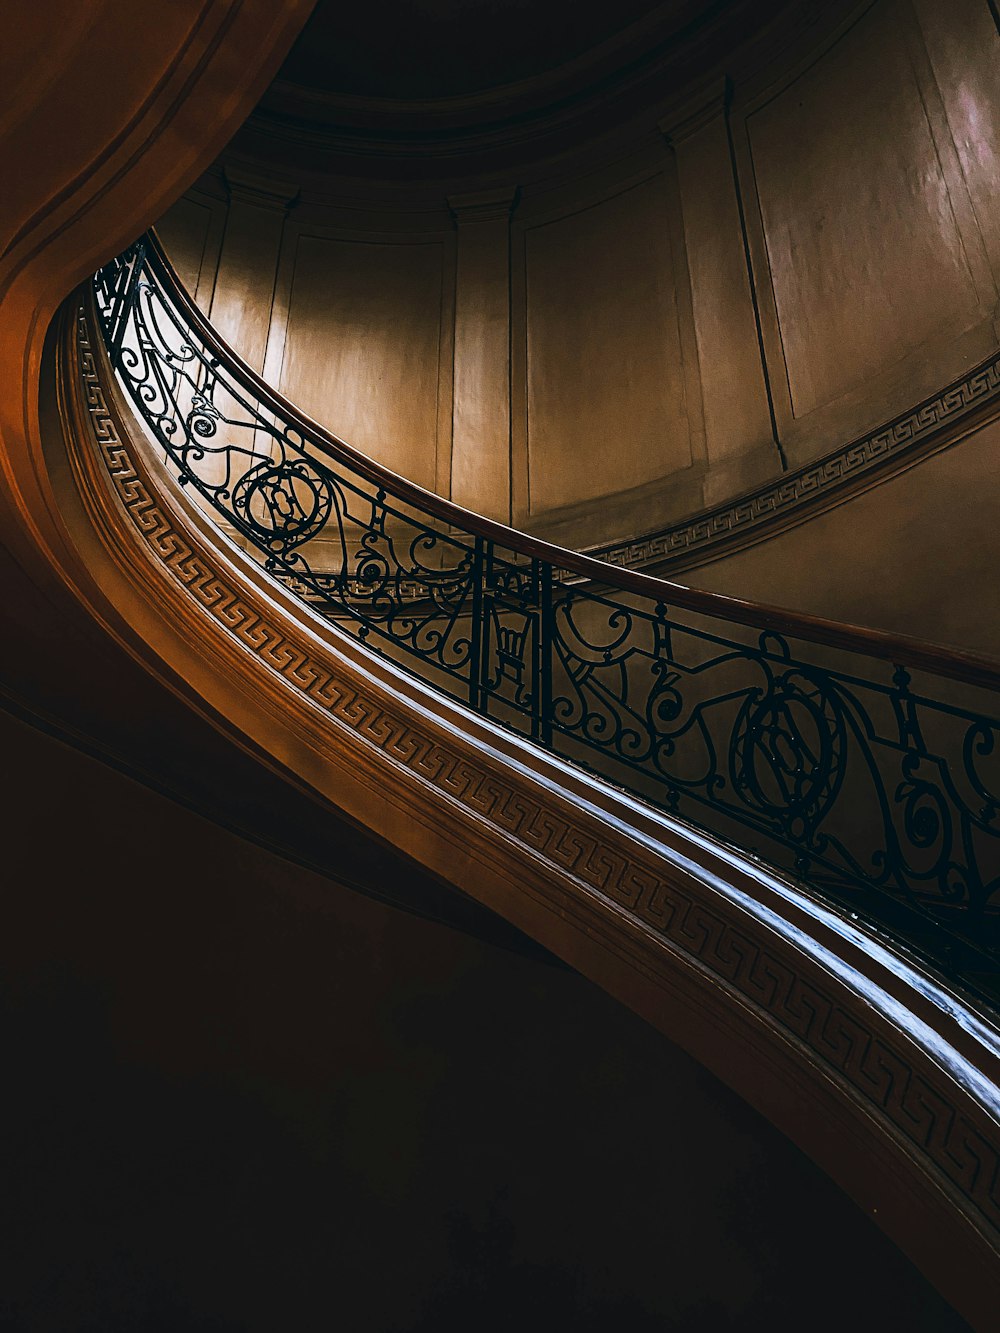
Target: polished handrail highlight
(865,765)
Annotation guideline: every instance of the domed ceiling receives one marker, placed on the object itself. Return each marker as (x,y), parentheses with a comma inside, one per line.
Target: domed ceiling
(457,88)
(428,49)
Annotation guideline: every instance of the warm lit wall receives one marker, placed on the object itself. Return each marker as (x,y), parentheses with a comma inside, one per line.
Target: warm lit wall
(915,556)
(617,339)
(877,238)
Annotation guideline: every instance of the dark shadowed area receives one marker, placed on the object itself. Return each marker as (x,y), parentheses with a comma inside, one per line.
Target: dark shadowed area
(443,48)
(238,1097)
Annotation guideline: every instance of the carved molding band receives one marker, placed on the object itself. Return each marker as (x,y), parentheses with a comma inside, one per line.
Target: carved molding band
(944,1117)
(793,496)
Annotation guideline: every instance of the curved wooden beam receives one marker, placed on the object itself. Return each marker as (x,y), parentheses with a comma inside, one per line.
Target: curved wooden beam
(111,116)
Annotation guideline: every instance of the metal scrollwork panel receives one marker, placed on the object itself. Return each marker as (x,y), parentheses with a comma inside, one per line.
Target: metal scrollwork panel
(401,582)
(861,785)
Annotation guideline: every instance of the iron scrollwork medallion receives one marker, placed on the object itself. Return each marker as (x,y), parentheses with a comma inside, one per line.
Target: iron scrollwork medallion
(283,505)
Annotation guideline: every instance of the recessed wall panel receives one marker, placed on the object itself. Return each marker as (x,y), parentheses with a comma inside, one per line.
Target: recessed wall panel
(183,231)
(866,258)
(963,43)
(362,346)
(605,389)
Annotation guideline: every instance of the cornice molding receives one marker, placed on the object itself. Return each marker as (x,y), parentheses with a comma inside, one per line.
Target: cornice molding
(259,191)
(648,70)
(795,496)
(883,1076)
(483,206)
(701,108)
(661,39)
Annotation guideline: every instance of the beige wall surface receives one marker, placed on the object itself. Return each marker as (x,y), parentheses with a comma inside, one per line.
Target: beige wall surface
(480,454)
(363,346)
(767,270)
(606,409)
(872,274)
(852,217)
(187,232)
(917,555)
(739,439)
(961,41)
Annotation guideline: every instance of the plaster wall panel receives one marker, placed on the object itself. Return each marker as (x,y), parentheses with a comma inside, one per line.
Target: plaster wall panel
(364,344)
(244,288)
(963,44)
(864,246)
(606,407)
(185,232)
(889,558)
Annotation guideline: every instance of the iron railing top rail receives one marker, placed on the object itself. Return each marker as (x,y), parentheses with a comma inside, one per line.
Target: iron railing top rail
(901,650)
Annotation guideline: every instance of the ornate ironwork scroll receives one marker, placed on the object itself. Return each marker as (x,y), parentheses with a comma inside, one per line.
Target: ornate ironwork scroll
(872,781)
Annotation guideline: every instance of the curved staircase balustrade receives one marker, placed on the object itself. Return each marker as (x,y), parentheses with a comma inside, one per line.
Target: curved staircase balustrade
(885,1076)
(867,765)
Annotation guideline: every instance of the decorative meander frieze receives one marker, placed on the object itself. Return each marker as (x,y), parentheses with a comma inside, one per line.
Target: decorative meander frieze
(792,496)
(931,1110)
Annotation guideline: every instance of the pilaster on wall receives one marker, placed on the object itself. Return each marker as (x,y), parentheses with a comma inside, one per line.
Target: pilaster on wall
(244,287)
(740,439)
(481,452)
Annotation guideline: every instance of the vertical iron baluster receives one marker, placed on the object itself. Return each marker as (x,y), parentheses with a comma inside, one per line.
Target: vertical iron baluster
(486,620)
(476,625)
(547,649)
(117,291)
(126,302)
(543,669)
(534,622)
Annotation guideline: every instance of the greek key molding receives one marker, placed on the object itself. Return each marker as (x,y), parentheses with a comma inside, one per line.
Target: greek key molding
(918,1105)
(787,498)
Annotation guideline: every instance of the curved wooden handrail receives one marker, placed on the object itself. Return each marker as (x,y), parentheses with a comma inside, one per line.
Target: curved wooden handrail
(899,649)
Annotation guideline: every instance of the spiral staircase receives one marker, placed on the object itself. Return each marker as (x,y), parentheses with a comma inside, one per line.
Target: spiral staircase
(773,836)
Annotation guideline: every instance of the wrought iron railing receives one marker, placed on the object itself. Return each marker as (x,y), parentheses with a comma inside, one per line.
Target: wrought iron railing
(868,766)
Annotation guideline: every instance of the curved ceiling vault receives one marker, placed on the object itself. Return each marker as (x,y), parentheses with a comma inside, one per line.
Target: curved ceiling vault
(463,88)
